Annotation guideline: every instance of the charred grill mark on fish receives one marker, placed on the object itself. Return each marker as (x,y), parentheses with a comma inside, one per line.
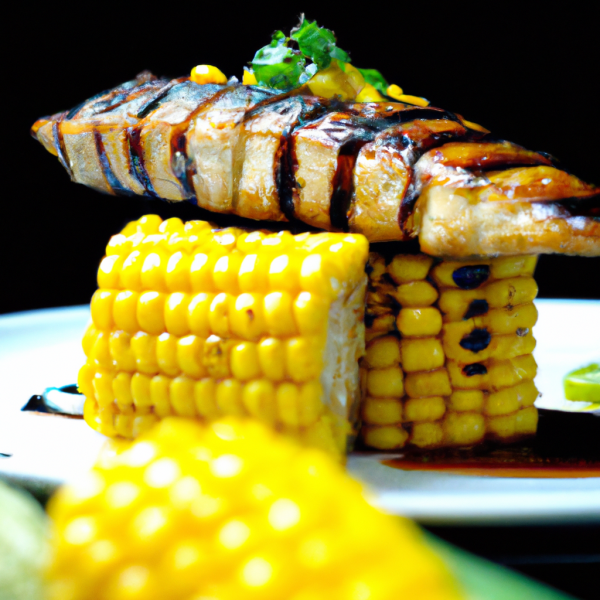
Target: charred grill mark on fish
(389,170)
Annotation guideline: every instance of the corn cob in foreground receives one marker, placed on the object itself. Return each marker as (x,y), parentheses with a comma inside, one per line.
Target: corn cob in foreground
(448,360)
(200,322)
(235,512)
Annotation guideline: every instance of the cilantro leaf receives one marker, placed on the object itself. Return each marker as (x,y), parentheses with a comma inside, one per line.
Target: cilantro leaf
(317,43)
(375,78)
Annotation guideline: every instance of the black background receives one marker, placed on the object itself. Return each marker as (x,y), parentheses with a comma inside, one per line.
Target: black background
(524,70)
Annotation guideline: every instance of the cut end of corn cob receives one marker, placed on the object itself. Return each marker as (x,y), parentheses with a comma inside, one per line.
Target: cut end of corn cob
(448,360)
(200,322)
(231,511)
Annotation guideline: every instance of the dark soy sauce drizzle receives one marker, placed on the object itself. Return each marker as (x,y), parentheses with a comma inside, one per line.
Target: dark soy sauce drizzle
(566,445)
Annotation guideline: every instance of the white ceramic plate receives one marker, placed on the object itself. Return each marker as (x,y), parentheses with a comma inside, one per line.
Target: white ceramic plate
(40,349)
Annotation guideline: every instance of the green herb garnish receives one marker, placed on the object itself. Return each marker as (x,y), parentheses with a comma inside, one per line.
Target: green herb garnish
(376,79)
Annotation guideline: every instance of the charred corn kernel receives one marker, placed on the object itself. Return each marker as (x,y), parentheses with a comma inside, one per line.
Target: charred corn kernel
(466,400)
(424,409)
(279,314)
(245,363)
(382,411)
(247,311)
(464,275)
(416,293)
(419,321)
(248,320)
(176,313)
(426,384)
(463,429)
(102,308)
(198,314)
(386,437)
(405,268)
(249,78)
(205,392)
(383,352)
(424,354)
(509,319)
(271,355)
(121,352)
(526,421)
(229,398)
(383,324)
(385,383)
(203,74)
(513,266)
(125,311)
(427,435)
(166,354)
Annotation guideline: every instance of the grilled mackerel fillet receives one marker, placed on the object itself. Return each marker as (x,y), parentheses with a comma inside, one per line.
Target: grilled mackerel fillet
(388,170)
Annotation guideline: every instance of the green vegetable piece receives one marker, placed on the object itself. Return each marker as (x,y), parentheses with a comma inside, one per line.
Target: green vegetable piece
(278,66)
(376,79)
(317,43)
(583,385)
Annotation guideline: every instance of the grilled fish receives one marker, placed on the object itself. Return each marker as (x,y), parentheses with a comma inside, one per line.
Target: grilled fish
(389,170)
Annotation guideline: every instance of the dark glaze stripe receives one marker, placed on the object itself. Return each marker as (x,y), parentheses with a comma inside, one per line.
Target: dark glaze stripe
(111,180)
(137,168)
(581,207)
(154,102)
(59,144)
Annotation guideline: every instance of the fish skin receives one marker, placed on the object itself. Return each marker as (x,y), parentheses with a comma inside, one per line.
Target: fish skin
(389,170)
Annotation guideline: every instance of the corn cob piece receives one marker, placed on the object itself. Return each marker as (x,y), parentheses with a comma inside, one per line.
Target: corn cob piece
(200,322)
(448,360)
(231,511)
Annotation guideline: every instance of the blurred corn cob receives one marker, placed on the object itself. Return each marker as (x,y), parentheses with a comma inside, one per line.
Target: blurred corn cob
(199,322)
(231,511)
(448,359)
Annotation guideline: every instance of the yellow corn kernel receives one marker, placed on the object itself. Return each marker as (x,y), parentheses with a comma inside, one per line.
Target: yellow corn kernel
(142,424)
(152,276)
(245,363)
(427,435)
(258,397)
(205,398)
(190,355)
(85,379)
(310,403)
(513,266)
(124,424)
(216,356)
(322,435)
(415,293)
(466,400)
(229,398)
(176,313)
(125,311)
(463,429)
(203,74)
(419,321)
(381,411)
(511,292)
(198,314)
(130,276)
(102,309)
(247,318)
(174,224)
(121,385)
(218,316)
(385,383)
(311,313)
(424,409)
(120,350)
(160,392)
(182,396)
(500,346)
(383,352)
(412,99)
(177,274)
(117,244)
(109,272)
(369,94)
(166,354)
(140,390)
(405,268)
(279,314)
(426,384)
(424,354)
(271,354)
(509,320)
(504,373)
(526,421)
(103,390)
(502,427)
(455,304)
(386,437)
(151,312)
(303,358)
(89,337)
(201,271)
(225,272)
(287,398)
(249,78)
(100,353)
(148,224)
(511,399)
(253,275)
(283,272)
(143,347)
